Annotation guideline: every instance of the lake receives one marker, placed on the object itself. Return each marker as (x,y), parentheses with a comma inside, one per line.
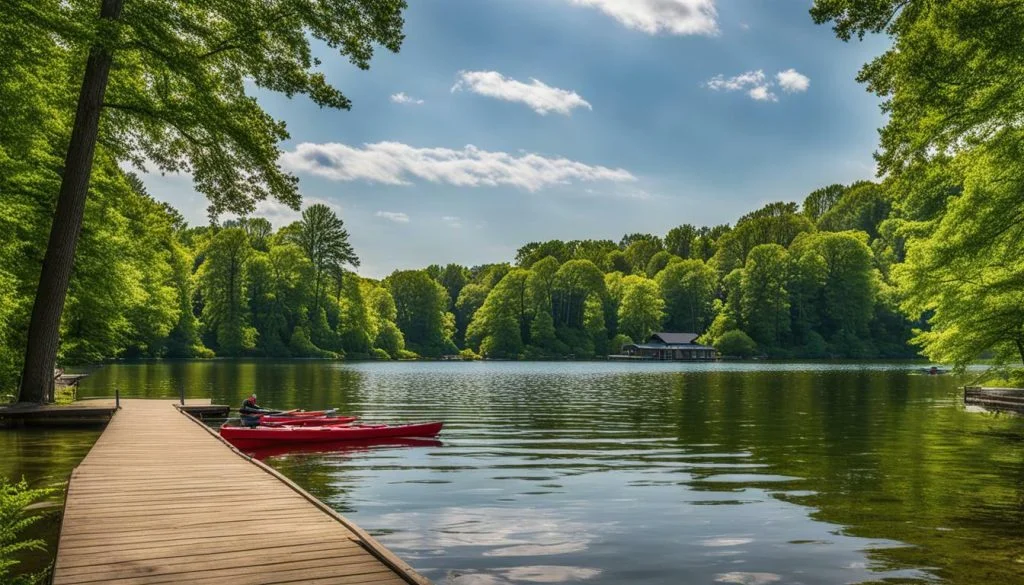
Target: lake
(649,473)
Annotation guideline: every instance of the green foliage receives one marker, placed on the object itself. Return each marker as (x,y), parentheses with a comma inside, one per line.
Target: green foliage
(573,283)
(764,300)
(820,201)
(222,283)
(736,343)
(640,252)
(616,261)
(659,261)
(469,355)
(15,519)
(471,298)
(688,289)
(421,307)
(680,240)
(951,152)
(500,325)
(618,341)
(776,223)
(322,236)
(405,354)
(642,308)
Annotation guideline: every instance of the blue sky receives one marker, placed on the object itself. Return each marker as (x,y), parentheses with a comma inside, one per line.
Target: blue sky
(643,117)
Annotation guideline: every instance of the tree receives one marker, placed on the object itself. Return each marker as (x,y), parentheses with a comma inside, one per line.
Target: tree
(820,201)
(222,283)
(573,284)
(863,207)
(453,277)
(776,223)
(640,252)
(642,308)
(177,99)
(736,343)
(950,152)
(764,300)
(680,240)
(616,261)
(324,239)
(849,286)
(259,230)
(688,289)
(659,261)
(421,312)
(498,329)
(471,298)
(527,255)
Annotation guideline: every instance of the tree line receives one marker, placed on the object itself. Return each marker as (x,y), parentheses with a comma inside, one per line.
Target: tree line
(787,280)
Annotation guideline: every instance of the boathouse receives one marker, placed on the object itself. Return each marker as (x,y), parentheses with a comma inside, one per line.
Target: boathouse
(670,346)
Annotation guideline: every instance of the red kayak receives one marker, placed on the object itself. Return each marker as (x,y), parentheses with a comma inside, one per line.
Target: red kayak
(305,421)
(265,451)
(251,437)
(301,413)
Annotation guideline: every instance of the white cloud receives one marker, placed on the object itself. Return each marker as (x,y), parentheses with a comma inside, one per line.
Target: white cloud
(678,17)
(761,93)
(741,81)
(394,163)
(542,98)
(757,85)
(394,216)
(401,98)
(791,81)
(452,221)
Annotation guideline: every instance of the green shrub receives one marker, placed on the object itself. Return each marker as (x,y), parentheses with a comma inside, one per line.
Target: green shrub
(380,354)
(15,518)
(736,343)
(469,355)
(405,354)
(617,342)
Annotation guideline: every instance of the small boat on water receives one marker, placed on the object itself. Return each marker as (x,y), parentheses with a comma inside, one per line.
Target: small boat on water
(253,437)
(338,447)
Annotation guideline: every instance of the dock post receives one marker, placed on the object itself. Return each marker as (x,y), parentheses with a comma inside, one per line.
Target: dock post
(181,393)
(117,397)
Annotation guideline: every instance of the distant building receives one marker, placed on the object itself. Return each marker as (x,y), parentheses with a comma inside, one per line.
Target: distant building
(670,346)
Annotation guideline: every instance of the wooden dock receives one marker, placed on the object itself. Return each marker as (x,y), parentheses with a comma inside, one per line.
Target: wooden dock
(81,412)
(161,498)
(999,399)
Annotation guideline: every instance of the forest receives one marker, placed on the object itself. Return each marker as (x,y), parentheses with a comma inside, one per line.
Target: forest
(926,259)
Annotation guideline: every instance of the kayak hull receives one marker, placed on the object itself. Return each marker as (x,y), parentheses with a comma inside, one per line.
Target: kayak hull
(249,437)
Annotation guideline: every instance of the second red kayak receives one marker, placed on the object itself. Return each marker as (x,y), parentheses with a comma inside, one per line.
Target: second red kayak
(305,421)
(264,436)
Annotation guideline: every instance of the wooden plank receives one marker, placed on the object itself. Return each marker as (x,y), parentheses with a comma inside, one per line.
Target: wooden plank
(139,512)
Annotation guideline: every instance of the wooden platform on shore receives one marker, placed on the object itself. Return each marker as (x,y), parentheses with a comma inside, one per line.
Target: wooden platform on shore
(998,399)
(81,412)
(161,498)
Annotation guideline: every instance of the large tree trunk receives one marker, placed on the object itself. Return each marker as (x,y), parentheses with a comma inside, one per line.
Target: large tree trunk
(44,328)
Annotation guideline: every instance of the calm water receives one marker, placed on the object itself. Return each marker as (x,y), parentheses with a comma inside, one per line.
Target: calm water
(595,473)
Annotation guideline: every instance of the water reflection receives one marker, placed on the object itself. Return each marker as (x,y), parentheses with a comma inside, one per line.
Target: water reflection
(750,474)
